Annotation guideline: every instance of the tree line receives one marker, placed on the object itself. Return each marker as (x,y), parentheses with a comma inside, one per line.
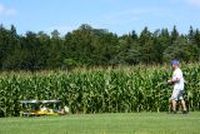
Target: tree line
(87,46)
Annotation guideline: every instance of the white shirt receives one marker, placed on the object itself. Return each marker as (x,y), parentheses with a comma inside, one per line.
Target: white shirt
(177,74)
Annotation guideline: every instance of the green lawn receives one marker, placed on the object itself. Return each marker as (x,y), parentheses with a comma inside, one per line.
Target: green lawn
(132,123)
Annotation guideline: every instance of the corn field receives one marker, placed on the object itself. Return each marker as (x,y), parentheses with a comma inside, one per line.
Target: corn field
(123,89)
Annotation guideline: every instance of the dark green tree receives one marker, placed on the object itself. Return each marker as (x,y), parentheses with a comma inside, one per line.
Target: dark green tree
(174,35)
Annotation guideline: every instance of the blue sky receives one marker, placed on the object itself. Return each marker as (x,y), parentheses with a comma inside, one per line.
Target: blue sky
(118,16)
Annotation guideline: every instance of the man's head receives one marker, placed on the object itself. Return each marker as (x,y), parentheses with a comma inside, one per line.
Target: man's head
(175,63)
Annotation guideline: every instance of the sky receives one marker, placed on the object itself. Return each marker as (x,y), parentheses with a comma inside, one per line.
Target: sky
(118,16)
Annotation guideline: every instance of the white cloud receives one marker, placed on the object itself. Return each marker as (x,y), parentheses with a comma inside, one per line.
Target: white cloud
(6,11)
(62,29)
(131,15)
(193,2)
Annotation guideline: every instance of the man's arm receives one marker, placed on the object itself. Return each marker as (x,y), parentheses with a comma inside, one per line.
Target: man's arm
(174,80)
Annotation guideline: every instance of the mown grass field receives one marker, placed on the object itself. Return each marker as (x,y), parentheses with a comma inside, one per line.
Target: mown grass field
(128,123)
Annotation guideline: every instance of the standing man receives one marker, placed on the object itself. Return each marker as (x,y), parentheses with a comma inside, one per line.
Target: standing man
(178,84)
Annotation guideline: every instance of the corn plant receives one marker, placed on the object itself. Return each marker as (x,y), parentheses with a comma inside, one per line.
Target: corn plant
(123,89)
